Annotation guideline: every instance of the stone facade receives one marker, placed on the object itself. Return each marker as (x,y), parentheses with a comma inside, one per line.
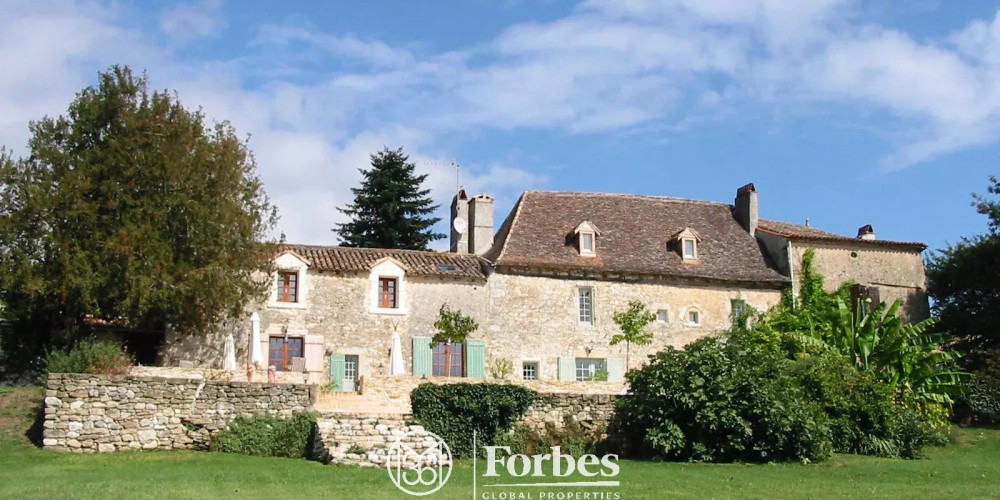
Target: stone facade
(100,413)
(537,319)
(521,318)
(898,275)
(530,314)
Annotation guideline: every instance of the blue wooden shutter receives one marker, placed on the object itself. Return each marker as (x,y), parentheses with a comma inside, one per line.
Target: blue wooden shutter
(337,366)
(616,370)
(567,369)
(475,362)
(422,356)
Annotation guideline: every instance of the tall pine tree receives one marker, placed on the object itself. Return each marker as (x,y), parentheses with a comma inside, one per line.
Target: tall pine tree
(390,209)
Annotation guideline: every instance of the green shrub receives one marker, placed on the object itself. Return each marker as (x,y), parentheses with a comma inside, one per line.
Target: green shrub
(571,438)
(453,411)
(720,402)
(864,416)
(267,436)
(90,356)
(982,401)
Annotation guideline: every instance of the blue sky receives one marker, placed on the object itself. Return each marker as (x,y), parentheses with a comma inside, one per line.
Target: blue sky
(843,112)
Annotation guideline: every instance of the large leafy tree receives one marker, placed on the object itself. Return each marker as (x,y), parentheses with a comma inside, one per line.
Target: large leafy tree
(391,209)
(129,209)
(964,281)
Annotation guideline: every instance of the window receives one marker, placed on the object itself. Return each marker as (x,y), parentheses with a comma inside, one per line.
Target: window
(586,301)
(529,370)
(739,312)
(690,249)
(448,360)
(288,286)
(586,243)
(282,350)
(662,315)
(586,238)
(388,293)
(590,369)
(693,317)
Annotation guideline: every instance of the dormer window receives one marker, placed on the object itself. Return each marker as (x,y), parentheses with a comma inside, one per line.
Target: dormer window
(291,281)
(586,238)
(587,243)
(690,248)
(288,286)
(687,241)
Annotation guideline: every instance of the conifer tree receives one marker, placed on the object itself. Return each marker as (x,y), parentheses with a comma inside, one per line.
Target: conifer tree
(390,209)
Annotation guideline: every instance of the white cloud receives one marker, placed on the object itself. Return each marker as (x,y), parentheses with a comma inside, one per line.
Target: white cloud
(318,103)
(192,20)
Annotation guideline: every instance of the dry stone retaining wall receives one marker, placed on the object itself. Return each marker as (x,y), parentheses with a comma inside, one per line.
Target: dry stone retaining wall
(101,413)
(88,413)
(368,440)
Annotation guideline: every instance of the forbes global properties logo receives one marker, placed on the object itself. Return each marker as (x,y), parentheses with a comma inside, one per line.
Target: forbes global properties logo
(419,462)
(555,471)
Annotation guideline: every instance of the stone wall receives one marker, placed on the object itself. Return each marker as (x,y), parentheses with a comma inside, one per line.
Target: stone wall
(898,275)
(536,319)
(394,390)
(521,319)
(367,440)
(592,411)
(100,413)
(89,413)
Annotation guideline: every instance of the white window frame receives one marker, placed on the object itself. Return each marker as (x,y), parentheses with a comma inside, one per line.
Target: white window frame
(586,230)
(584,250)
(694,249)
(387,268)
(580,305)
(524,368)
(289,262)
(594,365)
(664,317)
(686,318)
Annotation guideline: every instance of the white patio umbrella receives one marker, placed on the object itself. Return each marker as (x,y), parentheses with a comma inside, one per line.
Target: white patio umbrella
(256,357)
(396,356)
(229,353)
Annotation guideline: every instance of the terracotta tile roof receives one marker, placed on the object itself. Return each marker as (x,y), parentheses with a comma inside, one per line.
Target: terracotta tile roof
(419,263)
(808,233)
(635,237)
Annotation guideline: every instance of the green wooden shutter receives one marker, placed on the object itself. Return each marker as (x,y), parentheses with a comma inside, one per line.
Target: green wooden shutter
(567,369)
(475,362)
(616,370)
(422,356)
(337,370)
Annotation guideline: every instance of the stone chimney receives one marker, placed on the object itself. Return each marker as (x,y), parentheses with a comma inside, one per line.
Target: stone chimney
(866,232)
(746,208)
(480,224)
(460,211)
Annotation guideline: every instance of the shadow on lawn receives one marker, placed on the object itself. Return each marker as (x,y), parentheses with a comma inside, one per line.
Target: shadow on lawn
(34,433)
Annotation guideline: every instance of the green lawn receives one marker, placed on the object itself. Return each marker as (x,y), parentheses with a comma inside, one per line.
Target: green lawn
(966,470)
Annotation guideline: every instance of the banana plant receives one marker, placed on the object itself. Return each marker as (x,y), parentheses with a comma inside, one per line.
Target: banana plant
(905,355)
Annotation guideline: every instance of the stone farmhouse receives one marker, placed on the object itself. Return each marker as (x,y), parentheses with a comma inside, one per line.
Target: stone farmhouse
(545,286)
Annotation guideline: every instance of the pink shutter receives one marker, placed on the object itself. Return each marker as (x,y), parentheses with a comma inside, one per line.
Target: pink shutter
(314,348)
